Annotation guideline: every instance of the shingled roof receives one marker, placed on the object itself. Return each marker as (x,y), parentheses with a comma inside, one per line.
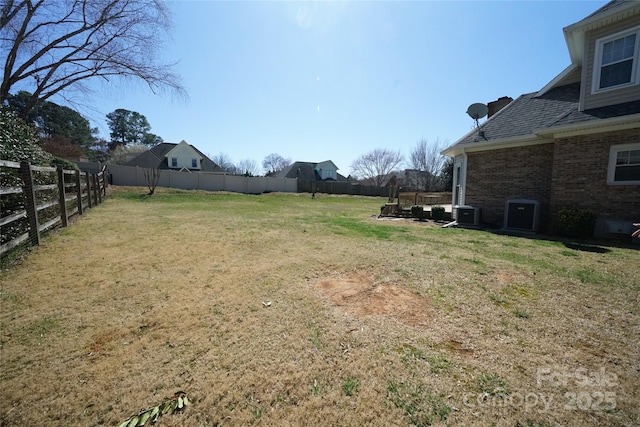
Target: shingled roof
(530,114)
(525,114)
(303,170)
(155,158)
(611,5)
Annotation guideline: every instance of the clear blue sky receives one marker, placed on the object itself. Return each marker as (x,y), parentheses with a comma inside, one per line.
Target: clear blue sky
(332,80)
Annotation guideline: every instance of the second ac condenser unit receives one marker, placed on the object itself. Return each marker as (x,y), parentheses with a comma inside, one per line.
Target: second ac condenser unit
(522,214)
(468,215)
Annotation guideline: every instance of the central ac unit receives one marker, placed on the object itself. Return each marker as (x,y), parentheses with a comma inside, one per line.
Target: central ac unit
(468,215)
(522,214)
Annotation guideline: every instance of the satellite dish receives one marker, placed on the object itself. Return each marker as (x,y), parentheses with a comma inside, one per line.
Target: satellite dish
(477,111)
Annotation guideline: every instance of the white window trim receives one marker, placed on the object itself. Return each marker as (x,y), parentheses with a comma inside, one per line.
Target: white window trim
(597,61)
(613,156)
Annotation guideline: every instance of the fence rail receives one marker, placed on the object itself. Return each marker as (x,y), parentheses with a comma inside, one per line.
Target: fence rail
(42,206)
(340,187)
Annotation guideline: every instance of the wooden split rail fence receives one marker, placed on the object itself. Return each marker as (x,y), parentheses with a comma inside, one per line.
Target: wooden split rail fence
(76,192)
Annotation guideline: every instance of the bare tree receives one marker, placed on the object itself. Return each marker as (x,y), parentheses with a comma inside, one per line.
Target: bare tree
(247,167)
(426,159)
(58,45)
(375,166)
(275,163)
(151,177)
(225,162)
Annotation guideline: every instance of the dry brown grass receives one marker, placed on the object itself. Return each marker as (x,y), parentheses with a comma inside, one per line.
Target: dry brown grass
(371,322)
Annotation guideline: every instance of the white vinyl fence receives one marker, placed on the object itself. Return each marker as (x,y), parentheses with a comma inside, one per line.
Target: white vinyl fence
(134,176)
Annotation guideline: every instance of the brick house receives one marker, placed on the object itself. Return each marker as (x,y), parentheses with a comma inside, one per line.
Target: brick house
(574,143)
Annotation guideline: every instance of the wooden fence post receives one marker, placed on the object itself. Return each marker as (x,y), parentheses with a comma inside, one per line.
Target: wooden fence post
(30,204)
(79,191)
(105,179)
(96,183)
(88,177)
(99,189)
(63,203)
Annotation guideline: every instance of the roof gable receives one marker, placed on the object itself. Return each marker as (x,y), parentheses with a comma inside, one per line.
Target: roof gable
(327,164)
(302,170)
(183,149)
(156,158)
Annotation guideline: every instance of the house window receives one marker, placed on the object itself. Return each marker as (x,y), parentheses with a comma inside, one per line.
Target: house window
(174,162)
(624,164)
(616,60)
(194,163)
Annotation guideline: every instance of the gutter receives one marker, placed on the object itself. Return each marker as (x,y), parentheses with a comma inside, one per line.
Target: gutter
(518,141)
(631,121)
(464,156)
(548,135)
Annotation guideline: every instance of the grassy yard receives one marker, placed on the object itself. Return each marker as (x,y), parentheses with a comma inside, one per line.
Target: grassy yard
(281,310)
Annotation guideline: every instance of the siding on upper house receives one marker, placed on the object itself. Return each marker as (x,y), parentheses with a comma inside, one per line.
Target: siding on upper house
(612,96)
(184,155)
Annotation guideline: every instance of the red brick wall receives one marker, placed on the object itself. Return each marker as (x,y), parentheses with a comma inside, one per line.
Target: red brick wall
(580,177)
(495,176)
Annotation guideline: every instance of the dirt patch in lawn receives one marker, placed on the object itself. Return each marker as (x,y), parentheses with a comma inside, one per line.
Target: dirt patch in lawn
(358,295)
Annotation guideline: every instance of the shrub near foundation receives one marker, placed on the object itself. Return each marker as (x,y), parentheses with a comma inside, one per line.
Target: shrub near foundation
(576,222)
(417,212)
(437,213)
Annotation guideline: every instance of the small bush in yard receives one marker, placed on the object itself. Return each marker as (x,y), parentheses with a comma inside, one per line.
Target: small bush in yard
(576,222)
(417,212)
(437,213)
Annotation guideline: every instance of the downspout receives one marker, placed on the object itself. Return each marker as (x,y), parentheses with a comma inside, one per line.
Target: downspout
(457,180)
(456,191)
(464,173)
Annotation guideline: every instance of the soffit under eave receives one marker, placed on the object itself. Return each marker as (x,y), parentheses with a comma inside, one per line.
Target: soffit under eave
(575,34)
(497,144)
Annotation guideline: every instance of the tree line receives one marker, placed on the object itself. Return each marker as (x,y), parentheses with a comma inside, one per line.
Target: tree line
(57,48)
(425,170)
(65,133)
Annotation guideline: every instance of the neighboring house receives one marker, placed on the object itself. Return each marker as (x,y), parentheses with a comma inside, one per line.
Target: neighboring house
(180,156)
(574,143)
(309,171)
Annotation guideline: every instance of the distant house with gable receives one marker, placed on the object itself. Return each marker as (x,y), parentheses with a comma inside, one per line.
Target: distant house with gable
(182,156)
(309,171)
